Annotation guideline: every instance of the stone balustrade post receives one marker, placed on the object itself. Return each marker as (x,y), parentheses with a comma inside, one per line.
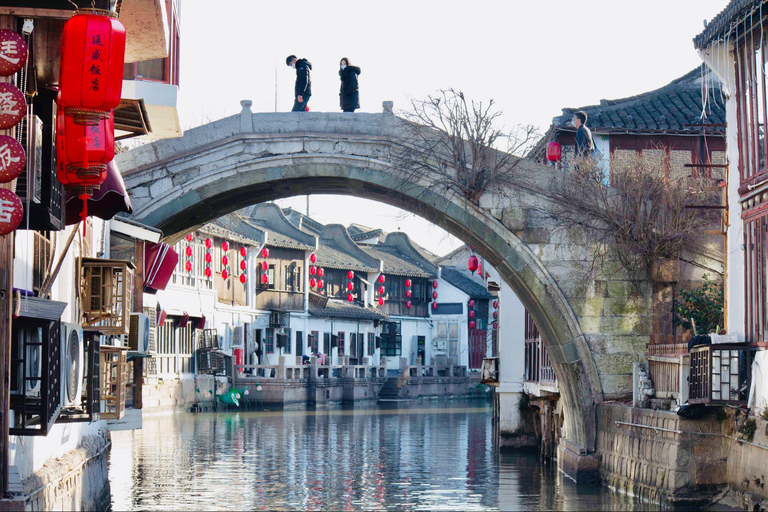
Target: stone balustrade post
(313,368)
(281,368)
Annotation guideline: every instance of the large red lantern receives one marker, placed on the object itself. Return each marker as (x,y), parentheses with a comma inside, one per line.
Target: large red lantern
(13,160)
(554,152)
(13,52)
(472,263)
(13,105)
(91,67)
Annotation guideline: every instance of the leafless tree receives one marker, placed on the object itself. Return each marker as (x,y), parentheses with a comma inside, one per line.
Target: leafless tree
(639,215)
(456,143)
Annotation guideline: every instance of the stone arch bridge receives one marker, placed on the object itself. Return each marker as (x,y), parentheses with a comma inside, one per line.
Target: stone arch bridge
(591,333)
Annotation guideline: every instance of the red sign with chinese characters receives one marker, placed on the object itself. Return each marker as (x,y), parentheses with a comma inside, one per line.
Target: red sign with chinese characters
(13,52)
(12,159)
(12,106)
(11,211)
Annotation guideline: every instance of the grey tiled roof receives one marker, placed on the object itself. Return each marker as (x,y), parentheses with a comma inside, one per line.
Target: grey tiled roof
(464,283)
(214,229)
(331,256)
(277,239)
(720,25)
(674,108)
(339,309)
(396,263)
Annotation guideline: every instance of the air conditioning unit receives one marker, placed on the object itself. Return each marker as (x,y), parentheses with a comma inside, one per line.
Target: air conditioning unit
(72,364)
(138,333)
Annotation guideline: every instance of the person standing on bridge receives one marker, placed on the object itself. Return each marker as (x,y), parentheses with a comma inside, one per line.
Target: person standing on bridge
(584,143)
(303,88)
(348,95)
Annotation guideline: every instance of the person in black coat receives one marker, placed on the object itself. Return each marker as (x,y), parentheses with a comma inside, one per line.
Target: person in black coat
(584,142)
(348,95)
(303,88)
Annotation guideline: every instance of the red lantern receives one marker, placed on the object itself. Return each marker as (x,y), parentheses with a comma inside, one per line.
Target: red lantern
(350,286)
(554,151)
(208,243)
(434,305)
(188,251)
(83,152)
(190,237)
(224,274)
(320,283)
(434,284)
(242,278)
(495,304)
(472,263)
(471,313)
(264,278)
(265,253)
(408,293)
(243,251)
(407,304)
(264,265)
(207,271)
(381,278)
(312,282)
(381,290)
(13,52)
(434,295)
(471,303)
(495,325)
(471,324)
(495,315)
(13,106)
(242,265)
(320,272)
(225,246)
(13,160)
(91,66)
(350,297)
(11,211)
(312,270)
(350,275)
(188,266)
(225,260)
(208,257)
(381,301)
(312,258)
(408,283)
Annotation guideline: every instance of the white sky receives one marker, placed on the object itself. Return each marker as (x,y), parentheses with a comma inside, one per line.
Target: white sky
(532,58)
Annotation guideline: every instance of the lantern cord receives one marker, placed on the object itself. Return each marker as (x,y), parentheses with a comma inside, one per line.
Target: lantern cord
(84,211)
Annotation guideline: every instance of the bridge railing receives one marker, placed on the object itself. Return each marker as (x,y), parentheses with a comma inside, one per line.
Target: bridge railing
(306,372)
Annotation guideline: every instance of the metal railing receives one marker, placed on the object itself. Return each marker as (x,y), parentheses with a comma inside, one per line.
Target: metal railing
(538,366)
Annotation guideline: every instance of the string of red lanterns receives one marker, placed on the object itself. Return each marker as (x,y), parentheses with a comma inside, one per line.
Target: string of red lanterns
(434,295)
(13,107)
(471,313)
(408,293)
(350,286)
(208,257)
(189,252)
(495,314)
(243,264)
(224,260)
(264,266)
(381,289)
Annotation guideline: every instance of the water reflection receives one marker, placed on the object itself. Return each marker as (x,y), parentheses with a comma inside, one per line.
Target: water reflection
(425,457)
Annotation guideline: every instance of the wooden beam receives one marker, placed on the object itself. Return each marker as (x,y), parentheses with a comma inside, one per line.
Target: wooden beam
(36,12)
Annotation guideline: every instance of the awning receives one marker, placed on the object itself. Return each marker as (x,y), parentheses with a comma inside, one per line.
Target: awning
(159,262)
(108,201)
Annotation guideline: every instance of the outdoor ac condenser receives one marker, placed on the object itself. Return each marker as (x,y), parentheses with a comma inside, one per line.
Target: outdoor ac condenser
(138,333)
(72,364)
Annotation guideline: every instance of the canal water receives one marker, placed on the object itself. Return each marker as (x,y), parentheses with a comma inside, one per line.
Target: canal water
(427,455)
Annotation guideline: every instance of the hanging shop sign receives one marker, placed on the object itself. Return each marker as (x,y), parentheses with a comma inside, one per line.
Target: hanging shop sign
(13,106)
(11,211)
(13,160)
(13,52)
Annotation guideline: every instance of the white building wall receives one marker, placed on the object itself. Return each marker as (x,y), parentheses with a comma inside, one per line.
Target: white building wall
(446,294)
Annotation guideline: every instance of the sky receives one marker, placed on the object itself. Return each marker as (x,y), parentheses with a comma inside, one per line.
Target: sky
(531,58)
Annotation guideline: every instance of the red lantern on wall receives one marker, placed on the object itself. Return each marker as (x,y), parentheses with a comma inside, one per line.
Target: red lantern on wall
(350,275)
(320,283)
(312,282)
(381,301)
(264,278)
(225,246)
(407,304)
(224,274)
(265,253)
(208,243)
(471,313)
(495,315)
(408,283)
(243,251)
(264,265)
(243,278)
(11,210)
(13,105)
(320,272)
(188,251)
(208,257)
(382,278)
(189,237)
(207,271)
(13,160)
(313,258)
(434,305)
(350,286)
(225,260)
(554,151)
(350,297)
(472,263)
(91,67)
(495,304)
(408,293)
(471,303)
(434,295)
(312,270)
(242,265)
(471,324)
(381,290)
(434,284)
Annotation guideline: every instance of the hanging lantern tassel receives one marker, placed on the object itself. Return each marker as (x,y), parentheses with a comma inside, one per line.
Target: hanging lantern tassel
(85,195)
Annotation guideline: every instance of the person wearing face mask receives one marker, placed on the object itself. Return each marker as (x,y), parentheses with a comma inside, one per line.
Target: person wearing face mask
(348,95)
(303,88)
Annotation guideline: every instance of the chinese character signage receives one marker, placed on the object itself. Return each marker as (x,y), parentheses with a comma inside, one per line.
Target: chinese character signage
(13,52)
(11,211)
(12,159)
(13,106)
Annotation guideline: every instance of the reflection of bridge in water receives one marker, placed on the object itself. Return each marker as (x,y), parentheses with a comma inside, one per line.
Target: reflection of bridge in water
(179,184)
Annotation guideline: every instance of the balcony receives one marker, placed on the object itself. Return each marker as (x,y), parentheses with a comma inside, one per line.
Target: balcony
(279,300)
(539,373)
(106,292)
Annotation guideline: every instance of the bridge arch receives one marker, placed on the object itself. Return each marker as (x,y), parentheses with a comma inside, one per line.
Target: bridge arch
(180,184)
